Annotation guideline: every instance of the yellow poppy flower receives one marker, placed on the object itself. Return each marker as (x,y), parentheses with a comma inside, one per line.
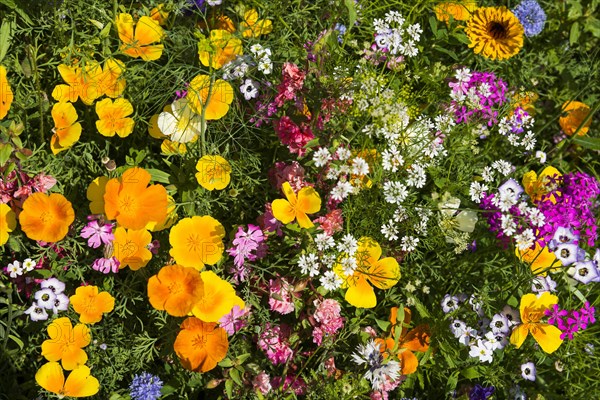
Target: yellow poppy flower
(539,259)
(200,345)
(132,202)
(159,14)
(66,130)
(130,247)
(175,289)
(211,99)
(458,10)
(295,207)
(95,194)
(537,186)
(66,343)
(180,124)
(172,148)
(111,83)
(214,172)
(382,273)
(46,217)
(254,27)
(217,299)
(197,241)
(79,383)
(90,305)
(6,93)
(140,43)
(219,48)
(153,129)
(82,83)
(575,112)
(532,311)
(114,117)
(8,222)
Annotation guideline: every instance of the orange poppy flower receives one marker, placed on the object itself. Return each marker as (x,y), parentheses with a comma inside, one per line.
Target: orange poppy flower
(114,117)
(402,343)
(66,343)
(576,113)
(175,289)
(139,44)
(8,222)
(159,14)
(217,299)
(82,83)
(130,247)
(458,10)
(219,48)
(254,27)
(197,241)
(46,217)
(211,99)
(200,345)
(295,207)
(382,273)
(66,130)
(79,383)
(167,223)
(532,311)
(90,305)
(132,202)
(6,94)
(95,194)
(213,172)
(111,83)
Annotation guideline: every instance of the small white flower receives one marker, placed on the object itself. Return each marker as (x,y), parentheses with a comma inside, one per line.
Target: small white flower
(324,241)
(409,243)
(330,281)
(349,265)
(360,166)
(504,167)
(467,336)
(477,190)
(540,155)
(15,269)
(463,75)
(265,66)
(487,174)
(54,284)
(499,324)
(343,153)
(341,190)
(449,303)
(390,230)
(61,303)
(528,371)
(256,49)
(391,159)
(249,90)
(410,287)
(348,244)
(483,351)
(425,289)
(309,264)
(37,313)
(321,157)
(29,264)
(457,327)
(45,298)
(525,239)
(395,192)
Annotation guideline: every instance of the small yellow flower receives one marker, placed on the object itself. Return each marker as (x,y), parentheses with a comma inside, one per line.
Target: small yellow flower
(114,117)
(212,99)
(295,207)
(219,48)
(130,247)
(6,94)
(532,311)
(254,27)
(67,130)
(197,241)
(95,194)
(8,222)
(575,113)
(79,383)
(90,305)
(214,172)
(140,43)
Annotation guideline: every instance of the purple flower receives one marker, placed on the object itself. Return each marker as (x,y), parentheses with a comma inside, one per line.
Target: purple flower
(588,311)
(568,331)
(235,320)
(145,387)
(531,16)
(245,243)
(106,265)
(481,393)
(97,234)
(578,319)
(555,314)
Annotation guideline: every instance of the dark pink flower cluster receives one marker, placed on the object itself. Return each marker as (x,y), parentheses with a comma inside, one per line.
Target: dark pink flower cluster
(479,98)
(288,172)
(274,342)
(571,321)
(293,136)
(17,186)
(327,316)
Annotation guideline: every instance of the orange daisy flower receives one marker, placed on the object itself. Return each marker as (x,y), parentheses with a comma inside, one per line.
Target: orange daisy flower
(130,247)
(8,222)
(197,241)
(79,383)
(140,43)
(6,94)
(67,130)
(90,305)
(114,117)
(175,289)
(200,345)
(132,202)
(46,217)
(66,343)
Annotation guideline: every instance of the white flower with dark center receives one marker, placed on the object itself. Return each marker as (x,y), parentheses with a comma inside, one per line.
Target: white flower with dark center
(457,327)
(249,89)
(45,298)
(586,272)
(449,303)
(499,324)
(37,313)
(61,303)
(512,315)
(528,371)
(53,284)
(568,253)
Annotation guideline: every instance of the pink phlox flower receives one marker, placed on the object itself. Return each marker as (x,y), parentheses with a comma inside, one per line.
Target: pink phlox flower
(43,183)
(106,265)
(328,316)
(588,311)
(262,382)
(268,222)
(247,242)
(96,234)
(332,222)
(273,341)
(293,136)
(235,320)
(293,382)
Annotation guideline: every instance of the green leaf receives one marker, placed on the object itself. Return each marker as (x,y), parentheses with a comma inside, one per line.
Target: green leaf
(226,363)
(6,36)
(17,340)
(450,53)
(574,35)
(159,176)
(471,373)
(104,33)
(588,142)
(433,25)
(351,13)
(592,25)
(12,5)
(229,388)
(235,375)
(383,325)
(452,382)
(5,152)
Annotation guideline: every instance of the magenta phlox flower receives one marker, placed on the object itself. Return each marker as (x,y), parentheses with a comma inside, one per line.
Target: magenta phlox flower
(588,311)
(569,331)
(97,234)
(248,245)
(576,318)
(556,314)
(274,342)
(281,296)
(106,265)
(235,320)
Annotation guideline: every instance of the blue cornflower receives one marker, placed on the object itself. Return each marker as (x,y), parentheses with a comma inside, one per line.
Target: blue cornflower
(531,16)
(145,387)
(341,28)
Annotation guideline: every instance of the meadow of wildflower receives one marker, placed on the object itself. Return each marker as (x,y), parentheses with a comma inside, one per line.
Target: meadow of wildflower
(313,199)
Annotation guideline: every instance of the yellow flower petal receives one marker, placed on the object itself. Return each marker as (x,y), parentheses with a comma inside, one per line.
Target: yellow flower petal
(8,222)
(361,294)
(283,211)
(384,273)
(547,336)
(80,383)
(6,94)
(50,376)
(518,335)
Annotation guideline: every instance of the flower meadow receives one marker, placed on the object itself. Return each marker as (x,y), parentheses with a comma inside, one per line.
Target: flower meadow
(313,199)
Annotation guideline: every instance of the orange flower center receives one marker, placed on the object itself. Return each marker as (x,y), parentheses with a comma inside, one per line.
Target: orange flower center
(199,341)
(46,216)
(175,288)
(128,204)
(194,243)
